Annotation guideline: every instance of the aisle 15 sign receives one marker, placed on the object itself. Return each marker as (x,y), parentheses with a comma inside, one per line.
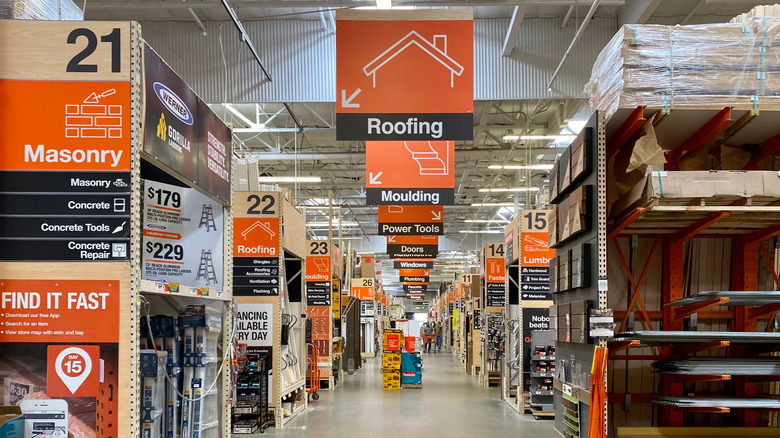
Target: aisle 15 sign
(404,75)
(535,255)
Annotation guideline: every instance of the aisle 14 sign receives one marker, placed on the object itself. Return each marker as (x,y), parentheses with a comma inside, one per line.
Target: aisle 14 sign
(404,75)
(410,173)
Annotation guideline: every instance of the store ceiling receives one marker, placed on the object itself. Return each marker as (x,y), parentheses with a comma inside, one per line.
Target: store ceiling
(284,150)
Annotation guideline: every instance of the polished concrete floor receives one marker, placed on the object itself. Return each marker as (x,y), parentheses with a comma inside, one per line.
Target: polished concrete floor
(449,404)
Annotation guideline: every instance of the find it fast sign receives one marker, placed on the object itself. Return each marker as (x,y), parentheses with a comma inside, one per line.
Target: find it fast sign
(404,75)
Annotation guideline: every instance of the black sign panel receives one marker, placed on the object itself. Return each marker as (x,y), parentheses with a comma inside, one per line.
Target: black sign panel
(182,132)
(78,250)
(64,216)
(399,196)
(416,288)
(255,276)
(413,279)
(413,251)
(535,283)
(356,126)
(533,319)
(71,182)
(495,295)
(411,229)
(412,264)
(509,248)
(476,321)
(318,293)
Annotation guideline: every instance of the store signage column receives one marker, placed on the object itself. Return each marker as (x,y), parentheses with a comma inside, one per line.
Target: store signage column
(256,242)
(318,297)
(65,154)
(535,256)
(495,275)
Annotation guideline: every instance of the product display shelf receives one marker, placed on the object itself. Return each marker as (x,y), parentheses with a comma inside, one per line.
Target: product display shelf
(721,226)
(512,372)
(541,387)
(579,236)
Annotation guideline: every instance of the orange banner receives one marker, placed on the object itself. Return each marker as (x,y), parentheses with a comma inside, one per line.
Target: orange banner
(80,126)
(255,237)
(413,240)
(535,249)
(415,164)
(414,272)
(495,270)
(404,66)
(398,214)
(59,310)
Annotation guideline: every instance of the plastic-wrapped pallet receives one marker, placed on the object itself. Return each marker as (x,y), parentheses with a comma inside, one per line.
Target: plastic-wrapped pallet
(702,66)
(40,10)
(757,12)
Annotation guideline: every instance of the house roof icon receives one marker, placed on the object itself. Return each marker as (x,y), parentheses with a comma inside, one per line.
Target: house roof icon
(436,49)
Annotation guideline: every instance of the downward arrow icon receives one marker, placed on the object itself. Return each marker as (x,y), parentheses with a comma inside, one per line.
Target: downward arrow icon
(374,179)
(346,102)
(436,215)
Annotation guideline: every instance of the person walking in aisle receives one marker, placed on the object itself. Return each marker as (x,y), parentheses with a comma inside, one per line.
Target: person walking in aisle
(439,332)
(427,336)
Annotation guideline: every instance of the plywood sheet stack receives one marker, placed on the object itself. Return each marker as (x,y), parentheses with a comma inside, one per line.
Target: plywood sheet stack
(701,66)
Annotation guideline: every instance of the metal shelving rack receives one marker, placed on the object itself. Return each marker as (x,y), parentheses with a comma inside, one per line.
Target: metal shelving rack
(657,226)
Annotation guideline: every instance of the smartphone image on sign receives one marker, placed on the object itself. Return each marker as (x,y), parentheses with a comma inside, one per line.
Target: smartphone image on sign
(45,418)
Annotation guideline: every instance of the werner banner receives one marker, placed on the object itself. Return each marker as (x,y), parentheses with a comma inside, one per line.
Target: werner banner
(181,130)
(404,75)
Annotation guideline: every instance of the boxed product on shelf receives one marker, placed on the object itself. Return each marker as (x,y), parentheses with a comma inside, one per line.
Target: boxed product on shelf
(153,403)
(391,379)
(715,186)
(702,66)
(391,360)
(245,426)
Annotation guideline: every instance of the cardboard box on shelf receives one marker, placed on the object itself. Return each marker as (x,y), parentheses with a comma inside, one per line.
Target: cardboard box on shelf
(11,421)
(554,172)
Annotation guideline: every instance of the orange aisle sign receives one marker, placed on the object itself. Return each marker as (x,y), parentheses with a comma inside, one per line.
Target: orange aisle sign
(495,274)
(535,255)
(414,275)
(402,247)
(404,75)
(363,289)
(411,220)
(410,172)
(256,231)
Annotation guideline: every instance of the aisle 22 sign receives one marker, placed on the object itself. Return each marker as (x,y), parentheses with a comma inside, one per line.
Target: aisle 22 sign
(404,75)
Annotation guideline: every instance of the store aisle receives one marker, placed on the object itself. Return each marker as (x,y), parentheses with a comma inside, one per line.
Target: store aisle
(450,404)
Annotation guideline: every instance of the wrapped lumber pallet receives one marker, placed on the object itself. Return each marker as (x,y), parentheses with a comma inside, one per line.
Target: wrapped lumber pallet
(701,66)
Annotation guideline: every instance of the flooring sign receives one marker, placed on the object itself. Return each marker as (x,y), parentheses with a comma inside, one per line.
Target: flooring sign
(182,236)
(404,75)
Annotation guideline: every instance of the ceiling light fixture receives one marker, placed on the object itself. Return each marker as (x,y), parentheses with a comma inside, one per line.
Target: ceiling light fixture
(487,221)
(384,4)
(495,204)
(336,224)
(521,167)
(481,231)
(289,179)
(515,137)
(511,189)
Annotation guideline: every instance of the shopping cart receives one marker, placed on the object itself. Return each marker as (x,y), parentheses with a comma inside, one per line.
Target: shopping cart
(313,375)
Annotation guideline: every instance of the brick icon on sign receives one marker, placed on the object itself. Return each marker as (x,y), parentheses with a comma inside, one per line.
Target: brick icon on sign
(91,119)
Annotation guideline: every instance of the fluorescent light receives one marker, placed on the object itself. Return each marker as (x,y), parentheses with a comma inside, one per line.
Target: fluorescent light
(511,189)
(515,137)
(336,224)
(522,167)
(487,221)
(495,204)
(289,179)
(253,127)
(482,231)
(384,4)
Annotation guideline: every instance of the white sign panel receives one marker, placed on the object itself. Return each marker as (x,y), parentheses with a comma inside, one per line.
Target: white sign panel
(254,324)
(182,236)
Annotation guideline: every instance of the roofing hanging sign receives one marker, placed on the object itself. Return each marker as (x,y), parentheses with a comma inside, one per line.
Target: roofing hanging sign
(404,75)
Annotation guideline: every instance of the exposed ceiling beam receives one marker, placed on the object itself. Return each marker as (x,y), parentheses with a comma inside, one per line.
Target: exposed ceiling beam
(489,154)
(638,11)
(314,4)
(510,39)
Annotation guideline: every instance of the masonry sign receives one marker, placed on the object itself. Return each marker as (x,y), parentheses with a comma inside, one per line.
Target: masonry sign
(404,75)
